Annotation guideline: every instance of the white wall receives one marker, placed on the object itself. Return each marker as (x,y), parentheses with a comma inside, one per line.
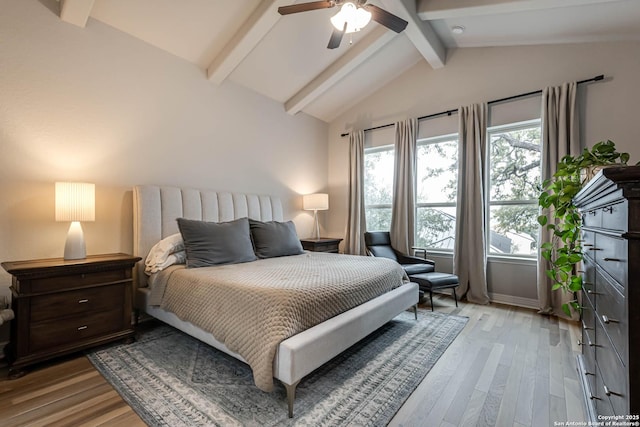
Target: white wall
(608,111)
(97,105)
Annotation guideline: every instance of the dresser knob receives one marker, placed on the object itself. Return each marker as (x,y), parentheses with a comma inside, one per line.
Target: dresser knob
(606,319)
(82,301)
(82,328)
(612,259)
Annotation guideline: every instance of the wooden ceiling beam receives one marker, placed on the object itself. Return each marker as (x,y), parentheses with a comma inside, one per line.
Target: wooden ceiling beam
(419,32)
(259,23)
(429,10)
(76,12)
(356,55)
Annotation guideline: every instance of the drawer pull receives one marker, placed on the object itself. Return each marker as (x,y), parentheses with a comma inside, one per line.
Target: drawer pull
(592,213)
(593,344)
(589,373)
(594,249)
(608,209)
(82,328)
(590,292)
(609,392)
(606,319)
(592,397)
(588,244)
(82,301)
(612,259)
(580,342)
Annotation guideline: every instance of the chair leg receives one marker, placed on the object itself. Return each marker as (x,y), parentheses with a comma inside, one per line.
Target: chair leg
(431,298)
(455,296)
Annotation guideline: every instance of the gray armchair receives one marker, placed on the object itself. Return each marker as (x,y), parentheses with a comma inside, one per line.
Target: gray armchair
(378,244)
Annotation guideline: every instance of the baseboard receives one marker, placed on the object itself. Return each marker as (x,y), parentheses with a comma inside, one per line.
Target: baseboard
(513,300)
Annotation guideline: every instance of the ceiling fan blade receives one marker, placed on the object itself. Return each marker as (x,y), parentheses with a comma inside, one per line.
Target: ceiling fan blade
(304,7)
(385,18)
(336,38)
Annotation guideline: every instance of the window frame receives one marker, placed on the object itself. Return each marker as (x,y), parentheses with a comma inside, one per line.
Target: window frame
(372,150)
(425,141)
(526,124)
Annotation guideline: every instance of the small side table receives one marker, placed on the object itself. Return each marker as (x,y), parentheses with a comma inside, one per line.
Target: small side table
(323,244)
(63,306)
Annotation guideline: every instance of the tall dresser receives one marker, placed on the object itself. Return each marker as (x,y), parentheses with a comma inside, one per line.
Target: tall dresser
(609,365)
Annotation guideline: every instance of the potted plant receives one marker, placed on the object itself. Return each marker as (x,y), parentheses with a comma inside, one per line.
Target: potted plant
(564,252)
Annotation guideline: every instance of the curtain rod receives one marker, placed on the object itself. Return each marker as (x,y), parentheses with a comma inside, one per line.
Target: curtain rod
(495,101)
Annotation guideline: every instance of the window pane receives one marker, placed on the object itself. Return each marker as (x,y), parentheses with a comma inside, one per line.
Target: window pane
(437,172)
(515,164)
(378,219)
(435,227)
(514,229)
(378,177)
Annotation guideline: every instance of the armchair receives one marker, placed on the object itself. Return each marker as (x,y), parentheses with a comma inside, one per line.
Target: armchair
(378,244)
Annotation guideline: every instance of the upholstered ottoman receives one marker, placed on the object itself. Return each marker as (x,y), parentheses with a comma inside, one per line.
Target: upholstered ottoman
(434,281)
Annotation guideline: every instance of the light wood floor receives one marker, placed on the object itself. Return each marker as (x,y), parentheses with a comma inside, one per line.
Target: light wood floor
(508,367)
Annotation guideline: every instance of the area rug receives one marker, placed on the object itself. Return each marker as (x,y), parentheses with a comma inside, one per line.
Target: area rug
(171,379)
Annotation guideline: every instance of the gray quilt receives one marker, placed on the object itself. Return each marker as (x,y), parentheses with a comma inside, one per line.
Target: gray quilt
(252,307)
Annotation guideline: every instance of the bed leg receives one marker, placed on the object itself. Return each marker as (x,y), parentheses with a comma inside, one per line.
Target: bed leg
(415,311)
(291,395)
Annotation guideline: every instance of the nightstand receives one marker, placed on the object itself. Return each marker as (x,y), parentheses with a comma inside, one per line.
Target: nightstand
(63,306)
(323,244)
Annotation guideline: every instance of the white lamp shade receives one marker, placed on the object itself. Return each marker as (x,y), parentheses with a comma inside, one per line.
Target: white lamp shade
(75,201)
(315,202)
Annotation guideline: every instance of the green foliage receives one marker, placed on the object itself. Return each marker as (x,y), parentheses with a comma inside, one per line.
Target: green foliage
(563,219)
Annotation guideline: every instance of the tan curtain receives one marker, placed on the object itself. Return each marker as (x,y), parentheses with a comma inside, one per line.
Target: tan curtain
(404,172)
(356,223)
(560,137)
(470,258)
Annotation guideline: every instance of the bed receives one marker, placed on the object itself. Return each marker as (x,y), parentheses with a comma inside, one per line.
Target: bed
(156,210)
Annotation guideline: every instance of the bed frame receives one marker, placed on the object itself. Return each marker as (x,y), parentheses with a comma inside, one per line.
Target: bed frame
(155,211)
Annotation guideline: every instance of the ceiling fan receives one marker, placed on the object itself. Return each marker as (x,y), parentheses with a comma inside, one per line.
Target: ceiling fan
(353,16)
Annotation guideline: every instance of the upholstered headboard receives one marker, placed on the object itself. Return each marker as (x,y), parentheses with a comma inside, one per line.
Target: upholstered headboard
(156,208)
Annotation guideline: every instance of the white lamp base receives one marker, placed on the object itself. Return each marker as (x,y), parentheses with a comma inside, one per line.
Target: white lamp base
(316,225)
(74,247)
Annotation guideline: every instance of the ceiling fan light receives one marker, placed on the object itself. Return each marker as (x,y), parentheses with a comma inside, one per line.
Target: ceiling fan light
(355,17)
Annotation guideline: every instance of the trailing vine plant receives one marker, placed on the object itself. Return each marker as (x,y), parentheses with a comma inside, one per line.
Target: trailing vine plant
(564,252)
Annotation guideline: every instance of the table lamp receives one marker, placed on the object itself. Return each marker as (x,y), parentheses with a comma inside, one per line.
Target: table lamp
(315,202)
(75,202)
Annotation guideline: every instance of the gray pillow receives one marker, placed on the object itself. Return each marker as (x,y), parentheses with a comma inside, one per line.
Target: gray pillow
(272,239)
(216,243)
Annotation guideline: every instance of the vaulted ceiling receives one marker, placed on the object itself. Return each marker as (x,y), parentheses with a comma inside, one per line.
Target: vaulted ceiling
(285,57)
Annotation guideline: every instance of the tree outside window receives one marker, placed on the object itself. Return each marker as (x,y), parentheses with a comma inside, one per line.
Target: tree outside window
(378,187)
(513,188)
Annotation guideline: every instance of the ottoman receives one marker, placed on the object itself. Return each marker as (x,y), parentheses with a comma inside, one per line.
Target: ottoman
(434,281)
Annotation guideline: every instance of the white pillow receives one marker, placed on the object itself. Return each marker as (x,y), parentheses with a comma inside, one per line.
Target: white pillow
(166,252)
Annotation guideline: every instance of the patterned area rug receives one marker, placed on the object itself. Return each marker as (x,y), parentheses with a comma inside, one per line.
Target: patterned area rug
(171,379)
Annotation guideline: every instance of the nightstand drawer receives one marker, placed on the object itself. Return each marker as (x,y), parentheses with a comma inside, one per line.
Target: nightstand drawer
(592,218)
(58,283)
(52,333)
(45,307)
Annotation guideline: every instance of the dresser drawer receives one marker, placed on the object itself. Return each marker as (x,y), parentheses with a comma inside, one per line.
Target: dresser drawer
(57,283)
(63,304)
(615,217)
(588,243)
(614,383)
(592,218)
(603,404)
(589,281)
(52,333)
(612,313)
(612,256)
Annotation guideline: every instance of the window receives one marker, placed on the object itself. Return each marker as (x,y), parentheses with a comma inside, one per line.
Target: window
(513,187)
(436,192)
(378,187)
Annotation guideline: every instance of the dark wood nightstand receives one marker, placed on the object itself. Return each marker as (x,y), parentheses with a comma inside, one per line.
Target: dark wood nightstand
(323,244)
(62,306)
